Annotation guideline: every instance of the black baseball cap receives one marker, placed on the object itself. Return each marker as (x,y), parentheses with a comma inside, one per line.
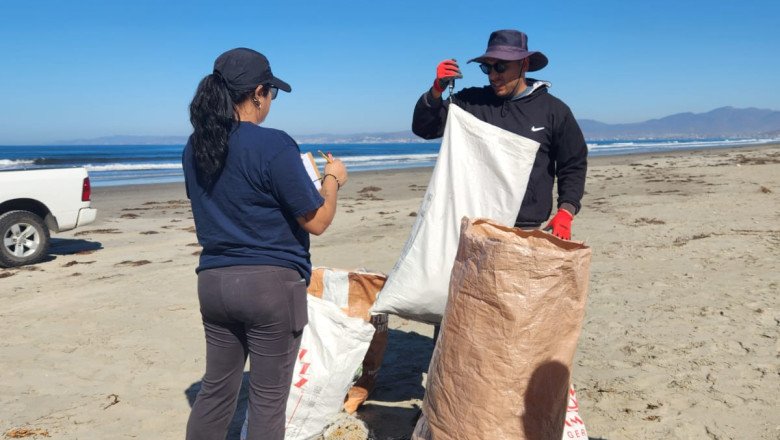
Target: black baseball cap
(245,69)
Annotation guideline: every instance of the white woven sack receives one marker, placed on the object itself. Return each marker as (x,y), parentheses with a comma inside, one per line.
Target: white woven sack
(333,346)
(482,171)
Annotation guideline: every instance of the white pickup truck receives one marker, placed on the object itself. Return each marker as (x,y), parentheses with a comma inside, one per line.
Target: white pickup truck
(32,202)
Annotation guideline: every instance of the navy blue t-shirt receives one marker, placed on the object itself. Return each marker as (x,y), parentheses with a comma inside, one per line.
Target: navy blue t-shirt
(249,216)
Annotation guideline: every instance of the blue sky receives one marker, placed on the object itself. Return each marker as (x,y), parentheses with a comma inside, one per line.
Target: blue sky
(85,69)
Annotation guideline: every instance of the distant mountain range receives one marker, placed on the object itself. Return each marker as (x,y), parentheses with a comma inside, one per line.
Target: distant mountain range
(727,122)
(721,122)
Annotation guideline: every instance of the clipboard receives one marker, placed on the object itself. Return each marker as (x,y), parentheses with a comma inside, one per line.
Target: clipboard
(312,170)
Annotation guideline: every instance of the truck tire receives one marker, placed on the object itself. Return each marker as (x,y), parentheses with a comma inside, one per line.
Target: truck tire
(25,238)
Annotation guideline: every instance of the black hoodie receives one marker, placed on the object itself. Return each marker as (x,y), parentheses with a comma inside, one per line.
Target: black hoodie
(538,116)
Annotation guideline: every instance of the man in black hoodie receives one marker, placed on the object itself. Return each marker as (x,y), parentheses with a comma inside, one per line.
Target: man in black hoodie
(520,105)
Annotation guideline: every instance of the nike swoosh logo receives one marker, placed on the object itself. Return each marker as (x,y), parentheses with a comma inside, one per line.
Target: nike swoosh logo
(536,128)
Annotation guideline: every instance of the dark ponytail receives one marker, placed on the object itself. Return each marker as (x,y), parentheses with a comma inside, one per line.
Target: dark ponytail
(213,117)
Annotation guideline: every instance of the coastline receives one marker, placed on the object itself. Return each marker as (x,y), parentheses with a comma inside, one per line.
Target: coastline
(105,197)
(159,164)
(679,340)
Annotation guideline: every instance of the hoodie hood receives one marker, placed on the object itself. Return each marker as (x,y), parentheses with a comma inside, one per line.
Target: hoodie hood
(533,85)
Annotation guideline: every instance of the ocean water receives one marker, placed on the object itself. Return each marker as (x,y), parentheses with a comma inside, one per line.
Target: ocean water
(111,165)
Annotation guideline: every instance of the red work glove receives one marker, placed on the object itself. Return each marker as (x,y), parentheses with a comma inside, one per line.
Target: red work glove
(446,71)
(561,224)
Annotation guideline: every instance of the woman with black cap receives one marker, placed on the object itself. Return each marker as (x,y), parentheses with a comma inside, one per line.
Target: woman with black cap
(254,207)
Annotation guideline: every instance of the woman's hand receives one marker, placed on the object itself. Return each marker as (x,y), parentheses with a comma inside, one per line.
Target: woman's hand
(317,221)
(338,169)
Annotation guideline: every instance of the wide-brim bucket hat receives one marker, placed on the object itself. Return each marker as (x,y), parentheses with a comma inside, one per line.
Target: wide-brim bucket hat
(512,45)
(244,69)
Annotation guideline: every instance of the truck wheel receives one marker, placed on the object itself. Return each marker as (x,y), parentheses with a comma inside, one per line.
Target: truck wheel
(25,239)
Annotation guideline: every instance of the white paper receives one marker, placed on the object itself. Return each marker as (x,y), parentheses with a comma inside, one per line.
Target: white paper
(311,169)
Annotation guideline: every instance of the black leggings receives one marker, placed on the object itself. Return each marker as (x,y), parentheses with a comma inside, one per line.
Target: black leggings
(255,311)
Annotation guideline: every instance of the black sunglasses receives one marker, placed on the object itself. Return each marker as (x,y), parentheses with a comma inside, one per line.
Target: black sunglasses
(274,91)
(487,68)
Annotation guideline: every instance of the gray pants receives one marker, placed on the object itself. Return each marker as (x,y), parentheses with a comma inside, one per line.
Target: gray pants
(255,311)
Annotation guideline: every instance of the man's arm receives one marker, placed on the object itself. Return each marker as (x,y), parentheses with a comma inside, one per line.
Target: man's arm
(430,116)
(571,163)
(430,113)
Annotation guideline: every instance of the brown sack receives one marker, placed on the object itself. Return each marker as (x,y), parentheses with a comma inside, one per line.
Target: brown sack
(502,364)
(363,288)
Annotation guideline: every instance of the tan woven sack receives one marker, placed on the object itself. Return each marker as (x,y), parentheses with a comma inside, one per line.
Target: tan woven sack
(502,364)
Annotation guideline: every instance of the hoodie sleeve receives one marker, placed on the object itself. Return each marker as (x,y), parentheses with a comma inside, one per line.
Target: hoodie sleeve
(571,161)
(430,116)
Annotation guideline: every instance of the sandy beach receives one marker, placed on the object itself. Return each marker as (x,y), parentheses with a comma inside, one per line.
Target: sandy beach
(680,339)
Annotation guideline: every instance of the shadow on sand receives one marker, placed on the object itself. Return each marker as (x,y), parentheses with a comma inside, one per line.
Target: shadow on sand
(400,379)
(70,246)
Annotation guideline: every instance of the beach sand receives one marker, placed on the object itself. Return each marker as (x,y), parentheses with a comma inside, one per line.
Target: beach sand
(680,339)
